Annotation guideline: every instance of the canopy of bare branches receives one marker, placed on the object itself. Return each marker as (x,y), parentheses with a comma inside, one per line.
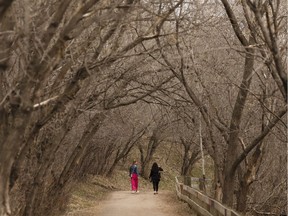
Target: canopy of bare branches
(83,84)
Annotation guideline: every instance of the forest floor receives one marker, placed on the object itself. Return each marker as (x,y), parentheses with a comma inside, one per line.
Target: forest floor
(99,196)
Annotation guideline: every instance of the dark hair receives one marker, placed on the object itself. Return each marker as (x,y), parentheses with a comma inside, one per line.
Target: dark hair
(155,166)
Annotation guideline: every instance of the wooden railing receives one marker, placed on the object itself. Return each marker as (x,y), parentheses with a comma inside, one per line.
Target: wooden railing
(201,203)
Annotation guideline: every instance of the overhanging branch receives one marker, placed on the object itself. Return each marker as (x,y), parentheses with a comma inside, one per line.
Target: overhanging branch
(258,139)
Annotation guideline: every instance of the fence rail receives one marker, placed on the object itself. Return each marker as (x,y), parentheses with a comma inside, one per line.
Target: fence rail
(201,203)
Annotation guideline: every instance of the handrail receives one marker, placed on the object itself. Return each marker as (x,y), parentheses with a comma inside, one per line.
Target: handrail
(201,203)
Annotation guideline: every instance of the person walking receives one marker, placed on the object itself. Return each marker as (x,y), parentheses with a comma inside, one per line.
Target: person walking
(134,173)
(155,176)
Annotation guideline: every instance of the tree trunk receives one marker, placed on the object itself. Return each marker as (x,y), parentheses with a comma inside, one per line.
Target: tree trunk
(218,192)
(146,159)
(5,166)
(7,149)
(233,146)
(35,196)
(252,166)
(10,144)
(184,169)
(242,196)
(75,158)
(218,182)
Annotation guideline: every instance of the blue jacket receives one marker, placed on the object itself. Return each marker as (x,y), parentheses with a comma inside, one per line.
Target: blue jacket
(133,169)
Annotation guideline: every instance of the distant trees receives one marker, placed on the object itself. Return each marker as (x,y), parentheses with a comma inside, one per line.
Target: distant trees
(187,134)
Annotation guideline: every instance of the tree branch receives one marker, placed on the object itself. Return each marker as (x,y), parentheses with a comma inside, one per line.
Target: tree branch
(4,5)
(234,23)
(258,139)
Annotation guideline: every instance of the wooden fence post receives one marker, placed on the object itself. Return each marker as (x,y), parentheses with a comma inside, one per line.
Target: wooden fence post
(187,181)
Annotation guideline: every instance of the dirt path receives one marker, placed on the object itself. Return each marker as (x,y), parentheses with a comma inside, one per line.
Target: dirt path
(124,203)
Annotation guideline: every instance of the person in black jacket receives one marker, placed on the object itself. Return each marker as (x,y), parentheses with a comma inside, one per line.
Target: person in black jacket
(155,176)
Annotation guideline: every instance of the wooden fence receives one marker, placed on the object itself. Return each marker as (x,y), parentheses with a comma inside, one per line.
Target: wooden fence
(201,203)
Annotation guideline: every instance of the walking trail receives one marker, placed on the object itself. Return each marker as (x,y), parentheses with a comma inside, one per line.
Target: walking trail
(124,203)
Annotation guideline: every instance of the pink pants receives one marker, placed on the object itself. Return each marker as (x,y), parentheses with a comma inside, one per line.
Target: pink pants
(134,182)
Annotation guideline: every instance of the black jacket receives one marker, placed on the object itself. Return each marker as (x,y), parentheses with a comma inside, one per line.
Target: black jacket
(155,174)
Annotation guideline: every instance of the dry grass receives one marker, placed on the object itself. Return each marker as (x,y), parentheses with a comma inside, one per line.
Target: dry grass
(86,196)
(180,208)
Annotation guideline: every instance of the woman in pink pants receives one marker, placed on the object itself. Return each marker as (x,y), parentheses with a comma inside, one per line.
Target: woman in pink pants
(134,173)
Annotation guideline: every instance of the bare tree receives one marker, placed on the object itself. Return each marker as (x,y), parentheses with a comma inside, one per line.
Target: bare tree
(220,129)
(51,60)
(67,67)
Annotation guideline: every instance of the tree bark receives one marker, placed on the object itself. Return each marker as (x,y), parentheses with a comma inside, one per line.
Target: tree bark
(35,195)
(242,196)
(233,147)
(4,5)
(188,161)
(247,179)
(75,158)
